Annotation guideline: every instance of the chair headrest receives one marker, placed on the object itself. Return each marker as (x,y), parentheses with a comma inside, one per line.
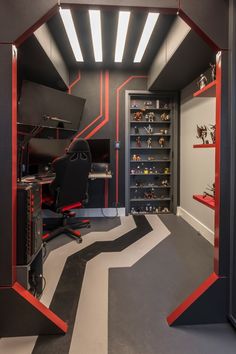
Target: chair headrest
(78,145)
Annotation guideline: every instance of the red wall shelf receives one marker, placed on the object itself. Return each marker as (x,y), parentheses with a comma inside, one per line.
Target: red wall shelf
(208,201)
(204,146)
(208,91)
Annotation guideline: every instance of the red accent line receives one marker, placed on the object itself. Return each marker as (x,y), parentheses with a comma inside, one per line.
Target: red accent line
(14,160)
(101,108)
(217,162)
(118,125)
(40,307)
(72,206)
(192,298)
(45,236)
(207,91)
(106,120)
(204,146)
(106,193)
(208,201)
(74,82)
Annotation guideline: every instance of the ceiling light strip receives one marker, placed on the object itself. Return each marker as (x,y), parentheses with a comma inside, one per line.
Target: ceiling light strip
(122,29)
(147,32)
(96,31)
(71,33)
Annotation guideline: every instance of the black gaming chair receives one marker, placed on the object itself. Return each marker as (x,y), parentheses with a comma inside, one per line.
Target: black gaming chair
(69,188)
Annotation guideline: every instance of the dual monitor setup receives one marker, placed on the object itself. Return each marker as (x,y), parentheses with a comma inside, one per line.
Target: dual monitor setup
(43,107)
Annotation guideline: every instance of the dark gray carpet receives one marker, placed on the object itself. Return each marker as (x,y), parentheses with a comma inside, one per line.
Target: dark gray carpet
(141,297)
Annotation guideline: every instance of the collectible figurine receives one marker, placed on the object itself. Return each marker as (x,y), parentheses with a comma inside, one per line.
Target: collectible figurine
(165,117)
(138,116)
(138,142)
(161,142)
(165,210)
(150,117)
(213,71)
(149,129)
(134,105)
(166,170)
(210,189)
(202,133)
(136,157)
(150,195)
(212,131)
(164,183)
(151,158)
(136,130)
(146,171)
(149,143)
(132,172)
(148,104)
(164,131)
(202,81)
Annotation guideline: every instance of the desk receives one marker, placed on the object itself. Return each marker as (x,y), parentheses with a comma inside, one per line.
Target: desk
(45,180)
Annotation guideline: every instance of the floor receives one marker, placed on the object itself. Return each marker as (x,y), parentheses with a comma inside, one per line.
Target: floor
(117,287)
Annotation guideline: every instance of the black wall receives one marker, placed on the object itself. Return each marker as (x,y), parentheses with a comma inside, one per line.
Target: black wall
(89,87)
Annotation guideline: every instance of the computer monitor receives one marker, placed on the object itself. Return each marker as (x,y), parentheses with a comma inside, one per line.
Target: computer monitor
(41,153)
(100,150)
(38,103)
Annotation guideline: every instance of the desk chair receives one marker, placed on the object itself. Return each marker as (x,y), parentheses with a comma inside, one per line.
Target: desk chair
(69,188)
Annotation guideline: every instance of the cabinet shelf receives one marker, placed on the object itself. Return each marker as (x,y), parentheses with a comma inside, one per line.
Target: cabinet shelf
(207,91)
(150,174)
(150,149)
(151,135)
(208,201)
(204,146)
(150,200)
(149,109)
(144,122)
(149,161)
(150,187)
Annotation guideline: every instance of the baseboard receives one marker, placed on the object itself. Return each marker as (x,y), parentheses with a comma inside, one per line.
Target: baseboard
(207,233)
(100,212)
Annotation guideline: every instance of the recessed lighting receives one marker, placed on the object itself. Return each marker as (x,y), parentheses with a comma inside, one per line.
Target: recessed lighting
(147,32)
(96,30)
(123,23)
(71,33)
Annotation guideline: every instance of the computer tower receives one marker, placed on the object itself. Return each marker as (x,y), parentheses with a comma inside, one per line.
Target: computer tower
(29,222)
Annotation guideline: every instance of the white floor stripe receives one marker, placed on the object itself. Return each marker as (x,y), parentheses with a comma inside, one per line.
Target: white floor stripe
(52,271)
(90,333)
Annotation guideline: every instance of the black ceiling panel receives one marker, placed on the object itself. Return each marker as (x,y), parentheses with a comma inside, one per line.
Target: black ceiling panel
(109,19)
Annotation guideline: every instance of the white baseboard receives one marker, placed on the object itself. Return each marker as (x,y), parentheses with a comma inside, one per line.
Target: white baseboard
(207,233)
(100,212)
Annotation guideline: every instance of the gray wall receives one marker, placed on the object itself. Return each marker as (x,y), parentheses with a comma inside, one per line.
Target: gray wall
(197,166)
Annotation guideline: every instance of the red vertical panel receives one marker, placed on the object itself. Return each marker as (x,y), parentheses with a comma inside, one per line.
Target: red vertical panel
(14,159)
(217,162)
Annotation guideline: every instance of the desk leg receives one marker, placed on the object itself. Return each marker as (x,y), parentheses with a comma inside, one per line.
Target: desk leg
(106,181)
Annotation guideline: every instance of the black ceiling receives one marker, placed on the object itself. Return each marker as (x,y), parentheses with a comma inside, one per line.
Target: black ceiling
(109,27)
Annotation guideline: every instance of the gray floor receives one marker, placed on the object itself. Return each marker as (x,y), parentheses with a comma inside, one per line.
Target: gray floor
(141,297)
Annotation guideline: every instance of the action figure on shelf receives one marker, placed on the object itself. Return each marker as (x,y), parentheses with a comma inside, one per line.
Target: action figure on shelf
(149,129)
(138,142)
(202,82)
(161,142)
(164,131)
(212,131)
(211,192)
(164,183)
(134,105)
(151,158)
(138,116)
(136,130)
(166,170)
(202,133)
(149,143)
(150,195)
(165,117)
(150,117)
(136,157)
(148,104)
(165,210)
(213,71)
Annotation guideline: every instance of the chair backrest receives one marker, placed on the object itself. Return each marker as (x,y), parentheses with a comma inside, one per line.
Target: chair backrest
(72,170)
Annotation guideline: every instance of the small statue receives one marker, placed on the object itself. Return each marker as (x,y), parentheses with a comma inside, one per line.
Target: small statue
(164,131)
(148,104)
(151,158)
(202,134)
(211,192)
(202,82)
(136,130)
(213,71)
(149,129)
(164,183)
(138,142)
(165,117)
(166,170)
(138,116)
(134,105)
(149,143)
(212,131)
(150,117)
(161,142)
(136,157)
(146,171)
(165,210)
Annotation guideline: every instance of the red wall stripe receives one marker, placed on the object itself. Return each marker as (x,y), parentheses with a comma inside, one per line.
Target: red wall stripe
(101,108)
(106,120)
(74,82)
(119,88)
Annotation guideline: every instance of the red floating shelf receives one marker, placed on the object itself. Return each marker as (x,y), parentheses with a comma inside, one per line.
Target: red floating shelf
(207,91)
(208,201)
(204,146)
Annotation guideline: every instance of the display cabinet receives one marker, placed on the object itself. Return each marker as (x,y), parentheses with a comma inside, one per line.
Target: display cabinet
(151,152)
